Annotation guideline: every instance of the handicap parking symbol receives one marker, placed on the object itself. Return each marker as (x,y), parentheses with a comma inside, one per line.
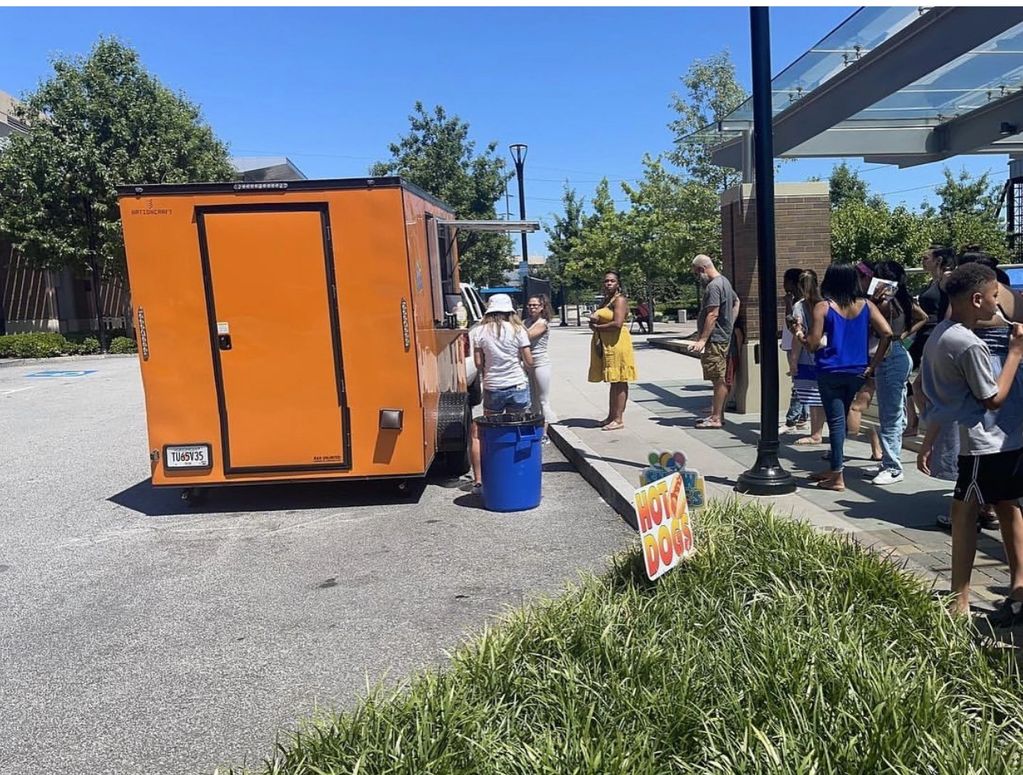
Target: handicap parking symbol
(61,373)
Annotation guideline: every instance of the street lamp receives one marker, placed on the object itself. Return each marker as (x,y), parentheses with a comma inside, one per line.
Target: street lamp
(767,477)
(518,152)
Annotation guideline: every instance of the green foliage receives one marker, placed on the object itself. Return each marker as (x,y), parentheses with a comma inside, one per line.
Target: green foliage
(873,232)
(711,93)
(774,649)
(122,345)
(562,237)
(82,345)
(846,186)
(36,344)
(966,214)
(864,227)
(97,122)
(438,156)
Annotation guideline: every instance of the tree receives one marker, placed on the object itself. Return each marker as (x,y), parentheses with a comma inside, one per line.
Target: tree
(711,93)
(967,214)
(600,244)
(871,231)
(438,156)
(563,236)
(846,186)
(99,121)
(671,220)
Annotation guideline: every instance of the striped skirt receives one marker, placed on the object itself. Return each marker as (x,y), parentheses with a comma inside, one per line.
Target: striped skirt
(805,383)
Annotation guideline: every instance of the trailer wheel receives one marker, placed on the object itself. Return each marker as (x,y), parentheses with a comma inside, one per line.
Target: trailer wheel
(454,461)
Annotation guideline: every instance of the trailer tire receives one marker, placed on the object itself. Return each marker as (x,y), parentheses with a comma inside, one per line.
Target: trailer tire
(454,422)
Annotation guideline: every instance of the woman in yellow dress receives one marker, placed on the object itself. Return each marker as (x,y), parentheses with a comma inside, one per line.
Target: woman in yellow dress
(611,356)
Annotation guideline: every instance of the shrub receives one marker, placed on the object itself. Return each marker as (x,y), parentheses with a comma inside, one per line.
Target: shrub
(775,649)
(37,344)
(82,345)
(121,345)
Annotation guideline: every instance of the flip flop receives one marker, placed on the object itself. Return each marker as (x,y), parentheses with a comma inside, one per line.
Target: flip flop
(708,424)
(827,484)
(613,426)
(806,441)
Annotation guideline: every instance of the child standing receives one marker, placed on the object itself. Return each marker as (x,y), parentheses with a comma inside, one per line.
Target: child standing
(960,385)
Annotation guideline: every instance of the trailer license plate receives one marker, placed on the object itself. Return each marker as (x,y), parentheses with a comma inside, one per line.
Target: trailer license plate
(188,456)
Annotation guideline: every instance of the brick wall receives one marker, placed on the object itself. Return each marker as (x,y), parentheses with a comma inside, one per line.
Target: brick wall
(802,217)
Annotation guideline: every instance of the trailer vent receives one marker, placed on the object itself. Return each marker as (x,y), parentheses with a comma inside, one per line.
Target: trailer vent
(258,186)
(404,325)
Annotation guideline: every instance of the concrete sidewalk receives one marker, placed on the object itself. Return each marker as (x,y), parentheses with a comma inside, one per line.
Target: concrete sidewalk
(668,398)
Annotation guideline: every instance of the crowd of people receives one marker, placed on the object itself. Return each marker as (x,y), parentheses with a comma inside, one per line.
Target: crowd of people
(860,335)
(947,355)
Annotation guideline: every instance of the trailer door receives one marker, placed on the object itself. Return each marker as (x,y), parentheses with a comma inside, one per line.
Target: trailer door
(275,333)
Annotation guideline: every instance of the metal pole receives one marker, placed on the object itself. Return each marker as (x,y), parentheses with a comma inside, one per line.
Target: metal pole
(767,477)
(522,209)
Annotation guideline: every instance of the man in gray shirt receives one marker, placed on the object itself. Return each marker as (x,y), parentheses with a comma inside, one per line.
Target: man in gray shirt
(719,308)
(960,385)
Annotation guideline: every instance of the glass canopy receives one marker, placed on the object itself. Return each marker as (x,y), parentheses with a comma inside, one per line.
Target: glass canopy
(978,78)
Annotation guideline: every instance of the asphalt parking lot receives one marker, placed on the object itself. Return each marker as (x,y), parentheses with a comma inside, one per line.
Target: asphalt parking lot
(141,636)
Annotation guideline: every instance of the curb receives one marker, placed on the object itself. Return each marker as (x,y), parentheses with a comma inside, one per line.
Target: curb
(617,492)
(10,362)
(608,483)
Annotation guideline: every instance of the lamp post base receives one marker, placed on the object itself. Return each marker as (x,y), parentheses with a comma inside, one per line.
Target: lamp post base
(766,477)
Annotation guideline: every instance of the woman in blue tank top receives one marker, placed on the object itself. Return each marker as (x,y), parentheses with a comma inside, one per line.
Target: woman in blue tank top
(838,336)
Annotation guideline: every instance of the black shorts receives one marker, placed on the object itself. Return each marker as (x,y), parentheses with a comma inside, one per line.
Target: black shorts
(990,478)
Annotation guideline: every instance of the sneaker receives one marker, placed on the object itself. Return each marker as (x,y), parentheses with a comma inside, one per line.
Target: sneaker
(873,470)
(1009,613)
(477,488)
(545,441)
(945,521)
(888,476)
(987,520)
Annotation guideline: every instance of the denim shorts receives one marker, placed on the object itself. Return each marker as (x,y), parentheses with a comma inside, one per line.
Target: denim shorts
(510,399)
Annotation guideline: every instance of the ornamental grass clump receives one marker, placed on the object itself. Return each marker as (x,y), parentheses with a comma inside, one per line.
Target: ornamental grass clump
(774,649)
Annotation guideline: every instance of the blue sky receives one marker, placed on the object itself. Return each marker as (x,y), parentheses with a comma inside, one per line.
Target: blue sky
(588,89)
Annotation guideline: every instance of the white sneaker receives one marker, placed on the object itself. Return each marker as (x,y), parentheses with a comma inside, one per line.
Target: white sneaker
(888,476)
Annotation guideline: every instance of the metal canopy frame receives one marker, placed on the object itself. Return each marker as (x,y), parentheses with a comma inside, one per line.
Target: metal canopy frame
(491,226)
(912,63)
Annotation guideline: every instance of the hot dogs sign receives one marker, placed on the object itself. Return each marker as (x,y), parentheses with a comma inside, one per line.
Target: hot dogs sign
(663,515)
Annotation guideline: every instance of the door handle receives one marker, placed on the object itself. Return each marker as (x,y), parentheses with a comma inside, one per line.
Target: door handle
(224,341)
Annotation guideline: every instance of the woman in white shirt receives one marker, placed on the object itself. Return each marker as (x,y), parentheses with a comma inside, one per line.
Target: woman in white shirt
(501,351)
(537,322)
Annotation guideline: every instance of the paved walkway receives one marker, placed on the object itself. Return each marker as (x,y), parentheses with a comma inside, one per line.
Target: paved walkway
(670,396)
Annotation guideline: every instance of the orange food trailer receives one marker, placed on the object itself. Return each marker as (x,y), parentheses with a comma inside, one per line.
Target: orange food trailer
(298,330)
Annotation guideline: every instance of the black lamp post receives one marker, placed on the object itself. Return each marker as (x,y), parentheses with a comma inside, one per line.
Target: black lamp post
(518,152)
(767,477)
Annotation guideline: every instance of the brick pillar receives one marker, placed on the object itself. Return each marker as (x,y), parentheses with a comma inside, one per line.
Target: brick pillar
(803,239)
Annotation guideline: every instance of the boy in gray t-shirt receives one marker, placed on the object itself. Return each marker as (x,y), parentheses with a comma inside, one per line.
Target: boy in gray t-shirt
(960,386)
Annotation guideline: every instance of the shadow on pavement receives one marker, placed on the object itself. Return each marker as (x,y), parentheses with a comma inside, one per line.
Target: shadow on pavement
(166,501)
(580,422)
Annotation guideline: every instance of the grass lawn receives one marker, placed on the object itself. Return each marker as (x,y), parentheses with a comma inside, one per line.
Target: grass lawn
(775,649)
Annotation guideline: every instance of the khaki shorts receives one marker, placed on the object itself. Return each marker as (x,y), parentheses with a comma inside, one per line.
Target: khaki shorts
(715,361)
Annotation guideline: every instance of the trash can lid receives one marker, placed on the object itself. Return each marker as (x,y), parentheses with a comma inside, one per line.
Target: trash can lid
(510,419)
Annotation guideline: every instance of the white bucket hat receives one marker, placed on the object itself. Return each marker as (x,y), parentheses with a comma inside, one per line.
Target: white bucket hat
(500,302)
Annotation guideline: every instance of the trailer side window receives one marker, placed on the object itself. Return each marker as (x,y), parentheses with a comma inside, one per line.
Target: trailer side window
(436,274)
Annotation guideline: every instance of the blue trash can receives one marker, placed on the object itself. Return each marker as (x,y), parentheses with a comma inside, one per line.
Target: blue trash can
(511,461)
